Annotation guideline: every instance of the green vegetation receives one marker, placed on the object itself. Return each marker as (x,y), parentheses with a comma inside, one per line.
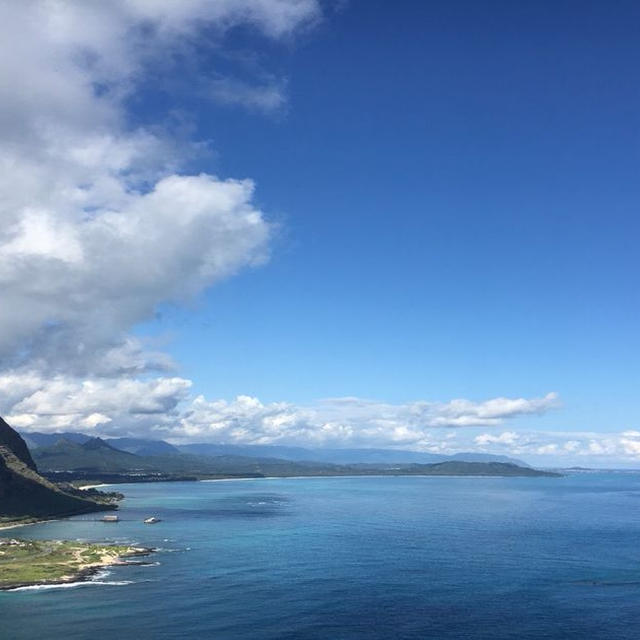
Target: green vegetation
(458,468)
(29,562)
(256,468)
(94,454)
(97,460)
(24,493)
(8,522)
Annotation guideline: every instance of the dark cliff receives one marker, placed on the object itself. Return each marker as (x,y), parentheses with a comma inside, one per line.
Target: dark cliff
(25,493)
(11,439)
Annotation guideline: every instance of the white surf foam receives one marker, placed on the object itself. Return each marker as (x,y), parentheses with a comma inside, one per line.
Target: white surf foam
(71,585)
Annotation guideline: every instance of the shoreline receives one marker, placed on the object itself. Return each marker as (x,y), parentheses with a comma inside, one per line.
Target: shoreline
(16,524)
(84,572)
(381,475)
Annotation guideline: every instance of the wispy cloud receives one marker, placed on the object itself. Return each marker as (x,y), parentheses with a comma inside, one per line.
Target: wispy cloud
(266,96)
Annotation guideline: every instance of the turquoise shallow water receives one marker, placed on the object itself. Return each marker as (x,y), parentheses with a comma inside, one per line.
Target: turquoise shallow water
(342,558)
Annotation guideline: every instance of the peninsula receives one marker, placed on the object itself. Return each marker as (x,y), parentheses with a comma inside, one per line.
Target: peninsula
(25,563)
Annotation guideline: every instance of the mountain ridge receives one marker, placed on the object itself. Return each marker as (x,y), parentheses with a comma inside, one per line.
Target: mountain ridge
(24,493)
(149,447)
(96,457)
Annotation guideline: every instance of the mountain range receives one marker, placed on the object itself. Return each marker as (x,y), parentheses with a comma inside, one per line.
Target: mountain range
(31,468)
(76,456)
(143,447)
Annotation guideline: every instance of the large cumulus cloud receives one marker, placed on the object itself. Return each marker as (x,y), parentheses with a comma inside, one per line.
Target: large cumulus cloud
(98,224)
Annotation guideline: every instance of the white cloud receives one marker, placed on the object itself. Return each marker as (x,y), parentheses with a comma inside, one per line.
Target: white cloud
(546,449)
(113,404)
(566,447)
(571,446)
(163,407)
(466,413)
(97,223)
(167,244)
(631,446)
(508,437)
(266,96)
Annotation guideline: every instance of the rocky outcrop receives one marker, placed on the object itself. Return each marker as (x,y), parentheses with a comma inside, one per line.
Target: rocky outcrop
(13,441)
(24,492)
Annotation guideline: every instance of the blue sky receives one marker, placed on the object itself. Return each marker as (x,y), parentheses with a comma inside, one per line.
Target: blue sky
(457,189)
(445,207)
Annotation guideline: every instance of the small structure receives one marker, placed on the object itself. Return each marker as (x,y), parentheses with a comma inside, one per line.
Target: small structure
(110,519)
(151,520)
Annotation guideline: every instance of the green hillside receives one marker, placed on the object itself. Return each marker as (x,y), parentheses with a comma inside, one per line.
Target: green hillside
(94,455)
(96,458)
(24,493)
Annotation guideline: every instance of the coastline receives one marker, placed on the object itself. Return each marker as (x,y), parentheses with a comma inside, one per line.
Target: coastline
(6,524)
(84,571)
(15,524)
(380,475)
(77,569)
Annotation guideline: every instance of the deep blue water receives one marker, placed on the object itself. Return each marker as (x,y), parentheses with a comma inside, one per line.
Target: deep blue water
(343,558)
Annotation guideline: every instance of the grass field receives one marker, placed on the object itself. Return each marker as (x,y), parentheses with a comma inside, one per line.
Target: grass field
(24,562)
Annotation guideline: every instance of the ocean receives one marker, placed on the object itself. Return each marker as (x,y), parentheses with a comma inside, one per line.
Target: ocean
(355,558)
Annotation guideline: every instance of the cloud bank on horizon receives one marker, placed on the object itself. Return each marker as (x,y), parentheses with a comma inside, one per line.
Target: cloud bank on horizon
(164,408)
(100,222)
